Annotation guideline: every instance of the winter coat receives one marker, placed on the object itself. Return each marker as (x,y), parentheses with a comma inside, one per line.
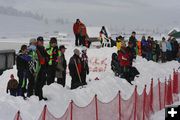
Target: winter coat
(168,46)
(83,31)
(61,66)
(22,62)
(144,45)
(76,28)
(53,54)
(124,57)
(12,84)
(75,69)
(43,57)
(85,66)
(163,46)
(133,40)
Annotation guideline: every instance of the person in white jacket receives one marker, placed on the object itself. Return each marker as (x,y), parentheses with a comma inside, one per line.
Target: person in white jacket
(163,49)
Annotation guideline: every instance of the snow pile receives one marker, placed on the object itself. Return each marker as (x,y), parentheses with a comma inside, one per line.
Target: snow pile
(106,88)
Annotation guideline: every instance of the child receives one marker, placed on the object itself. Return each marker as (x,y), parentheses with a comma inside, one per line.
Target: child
(12,86)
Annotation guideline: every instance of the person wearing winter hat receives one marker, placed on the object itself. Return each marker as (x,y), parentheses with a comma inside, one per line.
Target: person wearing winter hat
(85,66)
(32,66)
(42,62)
(75,69)
(52,51)
(12,86)
(61,66)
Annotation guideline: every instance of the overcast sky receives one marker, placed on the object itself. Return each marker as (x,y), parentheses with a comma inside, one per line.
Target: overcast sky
(120,13)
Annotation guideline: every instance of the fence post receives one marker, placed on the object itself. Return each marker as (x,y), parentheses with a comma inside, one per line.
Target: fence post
(151,95)
(119,105)
(135,103)
(144,102)
(175,82)
(96,103)
(165,92)
(71,110)
(159,90)
(18,115)
(44,113)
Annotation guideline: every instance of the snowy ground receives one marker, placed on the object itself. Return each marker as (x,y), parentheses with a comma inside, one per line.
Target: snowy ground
(106,88)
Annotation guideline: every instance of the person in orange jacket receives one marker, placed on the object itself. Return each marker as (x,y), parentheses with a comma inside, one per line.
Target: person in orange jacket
(76,30)
(83,33)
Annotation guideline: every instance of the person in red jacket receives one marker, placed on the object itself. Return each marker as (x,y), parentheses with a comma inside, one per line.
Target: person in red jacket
(83,34)
(124,61)
(76,30)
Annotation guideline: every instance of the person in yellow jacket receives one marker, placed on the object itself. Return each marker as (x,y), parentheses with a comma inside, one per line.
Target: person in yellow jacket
(119,42)
(52,51)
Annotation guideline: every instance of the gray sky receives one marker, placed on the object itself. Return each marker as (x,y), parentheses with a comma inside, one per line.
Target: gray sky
(120,13)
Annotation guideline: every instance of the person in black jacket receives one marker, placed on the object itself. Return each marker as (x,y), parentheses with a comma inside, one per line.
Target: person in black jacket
(85,66)
(133,39)
(52,51)
(75,69)
(43,59)
(61,66)
(22,68)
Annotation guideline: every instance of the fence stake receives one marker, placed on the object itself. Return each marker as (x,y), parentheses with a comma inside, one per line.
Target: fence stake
(144,102)
(71,111)
(96,102)
(18,115)
(135,103)
(119,105)
(44,112)
(165,92)
(159,89)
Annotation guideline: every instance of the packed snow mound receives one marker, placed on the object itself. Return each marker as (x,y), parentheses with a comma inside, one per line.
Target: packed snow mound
(106,88)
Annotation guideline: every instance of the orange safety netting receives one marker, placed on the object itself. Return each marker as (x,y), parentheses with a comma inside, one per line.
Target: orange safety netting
(137,107)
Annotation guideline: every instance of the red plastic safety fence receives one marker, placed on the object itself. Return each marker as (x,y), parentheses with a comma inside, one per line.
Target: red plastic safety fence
(46,115)
(17,116)
(137,107)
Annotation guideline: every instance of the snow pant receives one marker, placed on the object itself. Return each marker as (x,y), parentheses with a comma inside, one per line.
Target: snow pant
(83,78)
(40,82)
(77,40)
(82,40)
(149,56)
(51,72)
(22,75)
(31,85)
(129,73)
(75,83)
(169,55)
(13,92)
(163,57)
(62,80)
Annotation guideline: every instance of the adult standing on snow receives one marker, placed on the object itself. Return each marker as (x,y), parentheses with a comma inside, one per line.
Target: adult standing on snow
(133,40)
(32,67)
(22,68)
(163,50)
(83,34)
(75,69)
(76,30)
(61,66)
(85,66)
(52,51)
(43,59)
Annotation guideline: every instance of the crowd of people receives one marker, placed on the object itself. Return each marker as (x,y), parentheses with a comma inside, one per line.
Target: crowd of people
(38,66)
(149,49)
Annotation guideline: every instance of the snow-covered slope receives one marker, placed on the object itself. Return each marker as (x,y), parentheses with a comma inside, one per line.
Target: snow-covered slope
(106,88)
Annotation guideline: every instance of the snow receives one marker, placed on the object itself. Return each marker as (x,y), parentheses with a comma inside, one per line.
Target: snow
(106,88)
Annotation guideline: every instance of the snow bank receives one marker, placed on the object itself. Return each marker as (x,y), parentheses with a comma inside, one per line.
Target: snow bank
(106,88)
